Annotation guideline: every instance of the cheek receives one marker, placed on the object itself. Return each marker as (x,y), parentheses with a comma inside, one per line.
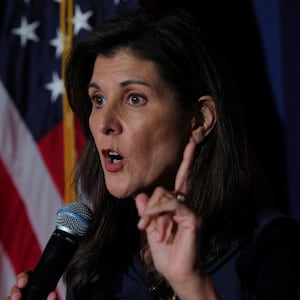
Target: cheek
(95,134)
(161,148)
(91,123)
(93,127)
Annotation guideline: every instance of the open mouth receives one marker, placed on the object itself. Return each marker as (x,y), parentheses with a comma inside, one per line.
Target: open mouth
(113,156)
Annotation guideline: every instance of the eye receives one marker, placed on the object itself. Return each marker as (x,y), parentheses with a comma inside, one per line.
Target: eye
(98,100)
(136,100)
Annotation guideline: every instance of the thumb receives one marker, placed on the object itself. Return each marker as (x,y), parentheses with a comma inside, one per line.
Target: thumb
(141,201)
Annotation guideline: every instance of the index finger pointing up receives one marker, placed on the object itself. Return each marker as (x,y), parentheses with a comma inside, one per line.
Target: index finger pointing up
(183,173)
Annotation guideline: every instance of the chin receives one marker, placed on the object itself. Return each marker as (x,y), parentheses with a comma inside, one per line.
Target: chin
(119,193)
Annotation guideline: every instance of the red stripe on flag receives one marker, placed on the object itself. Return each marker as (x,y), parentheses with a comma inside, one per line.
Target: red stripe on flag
(51,148)
(17,236)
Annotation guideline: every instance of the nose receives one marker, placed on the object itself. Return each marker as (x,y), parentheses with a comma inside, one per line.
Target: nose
(106,120)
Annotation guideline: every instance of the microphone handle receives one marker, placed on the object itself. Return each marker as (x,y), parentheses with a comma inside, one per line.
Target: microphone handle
(54,260)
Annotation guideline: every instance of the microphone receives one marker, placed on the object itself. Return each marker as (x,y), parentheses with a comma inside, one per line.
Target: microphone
(73,222)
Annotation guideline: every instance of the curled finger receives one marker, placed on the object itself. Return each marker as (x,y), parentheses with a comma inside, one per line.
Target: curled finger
(158,223)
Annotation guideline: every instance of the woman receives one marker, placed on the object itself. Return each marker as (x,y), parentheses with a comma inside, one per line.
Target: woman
(168,174)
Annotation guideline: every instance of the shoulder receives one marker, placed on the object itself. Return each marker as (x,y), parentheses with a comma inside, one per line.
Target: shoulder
(273,229)
(283,231)
(270,260)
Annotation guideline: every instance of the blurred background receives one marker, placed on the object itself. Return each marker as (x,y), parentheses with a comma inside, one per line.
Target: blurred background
(40,140)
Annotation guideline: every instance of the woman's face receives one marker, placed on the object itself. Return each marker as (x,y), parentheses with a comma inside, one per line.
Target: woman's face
(139,129)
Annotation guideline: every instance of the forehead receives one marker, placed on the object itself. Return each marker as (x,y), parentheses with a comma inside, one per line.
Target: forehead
(125,63)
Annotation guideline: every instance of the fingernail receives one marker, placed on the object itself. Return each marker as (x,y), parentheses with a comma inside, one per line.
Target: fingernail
(141,223)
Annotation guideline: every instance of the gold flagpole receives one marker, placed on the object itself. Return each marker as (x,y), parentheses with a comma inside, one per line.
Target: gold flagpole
(66,27)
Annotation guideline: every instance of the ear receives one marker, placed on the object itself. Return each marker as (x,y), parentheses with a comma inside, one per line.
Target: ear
(204,119)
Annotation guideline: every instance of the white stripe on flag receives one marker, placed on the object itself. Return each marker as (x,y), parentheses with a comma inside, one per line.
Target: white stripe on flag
(7,275)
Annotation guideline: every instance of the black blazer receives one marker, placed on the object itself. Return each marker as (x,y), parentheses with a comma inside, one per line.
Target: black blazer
(263,266)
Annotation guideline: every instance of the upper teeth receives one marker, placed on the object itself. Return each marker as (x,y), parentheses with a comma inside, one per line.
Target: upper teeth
(113,153)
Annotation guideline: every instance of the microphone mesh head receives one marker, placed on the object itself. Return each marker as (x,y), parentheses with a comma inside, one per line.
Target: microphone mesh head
(74,218)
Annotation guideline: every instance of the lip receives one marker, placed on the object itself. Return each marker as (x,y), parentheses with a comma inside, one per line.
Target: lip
(108,164)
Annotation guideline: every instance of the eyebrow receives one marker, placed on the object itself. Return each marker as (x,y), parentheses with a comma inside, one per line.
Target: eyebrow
(133,81)
(123,83)
(93,85)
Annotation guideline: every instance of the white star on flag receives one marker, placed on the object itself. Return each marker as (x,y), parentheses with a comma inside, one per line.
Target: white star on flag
(55,86)
(26,31)
(80,20)
(57,43)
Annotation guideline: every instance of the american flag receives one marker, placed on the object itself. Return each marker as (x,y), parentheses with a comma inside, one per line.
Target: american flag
(37,138)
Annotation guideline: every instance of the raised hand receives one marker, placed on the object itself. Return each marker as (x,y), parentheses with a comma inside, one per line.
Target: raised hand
(171,226)
(173,230)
